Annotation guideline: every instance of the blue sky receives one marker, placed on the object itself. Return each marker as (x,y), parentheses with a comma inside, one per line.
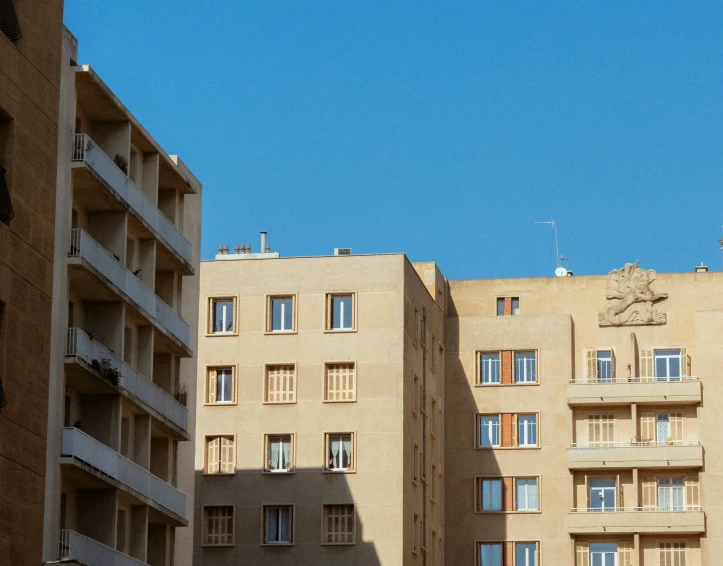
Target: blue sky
(443,130)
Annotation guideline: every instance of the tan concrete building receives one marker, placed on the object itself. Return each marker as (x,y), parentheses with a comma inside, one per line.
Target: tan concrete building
(30,43)
(122,366)
(565,416)
(320,431)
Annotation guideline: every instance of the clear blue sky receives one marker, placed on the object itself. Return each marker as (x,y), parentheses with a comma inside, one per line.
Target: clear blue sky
(443,130)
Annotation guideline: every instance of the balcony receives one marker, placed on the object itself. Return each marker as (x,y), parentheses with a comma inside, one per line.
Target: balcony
(86,450)
(88,155)
(634,390)
(621,455)
(86,251)
(82,349)
(76,548)
(636,520)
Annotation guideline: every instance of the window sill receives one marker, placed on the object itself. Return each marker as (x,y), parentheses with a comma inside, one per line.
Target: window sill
(521,384)
(290,472)
(347,471)
(280,402)
(277,544)
(280,332)
(235,403)
(343,401)
(205,545)
(502,512)
(339,330)
(508,447)
(338,543)
(220,334)
(212,474)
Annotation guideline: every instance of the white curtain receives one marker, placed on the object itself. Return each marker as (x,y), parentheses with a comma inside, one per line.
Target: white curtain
(286,449)
(275,456)
(285,525)
(273,523)
(334,447)
(347,451)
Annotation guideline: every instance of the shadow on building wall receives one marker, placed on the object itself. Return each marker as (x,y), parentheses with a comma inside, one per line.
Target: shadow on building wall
(307,490)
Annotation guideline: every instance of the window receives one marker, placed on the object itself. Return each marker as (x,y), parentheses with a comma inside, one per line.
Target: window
(601,429)
(415,534)
(416,394)
(433,418)
(218,526)
(221,386)
(527,430)
(603,494)
(526,494)
(6,206)
(280,384)
(340,312)
(338,524)
(489,431)
(525,367)
(417,326)
(603,554)
(672,554)
(339,452)
(415,463)
(222,316)
(340,382)
(490,554)
(508,306)
(9,20)
(278,524)
(604,365)
(526,554)
(671,494)
(491,495)
(490,368)
(280,317)
(433,494)
(220,455)
(500,306)
(515,305)
(433,362)
(279,453)
(667,365)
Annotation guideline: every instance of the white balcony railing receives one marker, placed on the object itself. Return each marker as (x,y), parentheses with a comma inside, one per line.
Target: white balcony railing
(79,344)
(598,381)
(652,509)
(75,547)
(83,246)
(85,150)
(87,449)
(634,444)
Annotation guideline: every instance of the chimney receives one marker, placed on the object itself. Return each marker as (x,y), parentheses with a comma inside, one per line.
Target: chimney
(225,250)
(237,249)
(701,268)
(263,242)
(220,250)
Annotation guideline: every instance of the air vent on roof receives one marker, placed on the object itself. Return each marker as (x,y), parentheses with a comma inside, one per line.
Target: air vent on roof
(342,251)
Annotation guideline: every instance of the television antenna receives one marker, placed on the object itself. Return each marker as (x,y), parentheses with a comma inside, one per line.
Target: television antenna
(560,270)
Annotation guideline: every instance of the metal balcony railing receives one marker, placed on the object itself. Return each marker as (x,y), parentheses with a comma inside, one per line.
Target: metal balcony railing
(634,444)
(75,547)
(85,150)
(664,509)
(79,445)
(598,381)
(79,344)
(83,246)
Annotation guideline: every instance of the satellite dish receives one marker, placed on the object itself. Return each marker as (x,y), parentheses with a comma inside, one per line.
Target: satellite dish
(561,272)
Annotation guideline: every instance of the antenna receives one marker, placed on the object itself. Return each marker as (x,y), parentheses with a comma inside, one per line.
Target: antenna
(560,271)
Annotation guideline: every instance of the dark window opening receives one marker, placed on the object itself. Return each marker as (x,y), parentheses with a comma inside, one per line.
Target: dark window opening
(9,20)
(6,206)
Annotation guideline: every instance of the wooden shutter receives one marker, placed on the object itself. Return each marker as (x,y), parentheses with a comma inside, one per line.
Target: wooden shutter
(676,426)
(212,381)
(625,554)
(692,491)
(593,426)
(213,455)
(280,386)
(618,493)
(506,430)
(608,428)
(227,450)
(582,554)
(508,555)
(649,489)
(647,427)
(506,358)
(647,363)
(684,363)
(613,364)
(591,365)
(339,524)
(508,493)
(340,382)
(515,440)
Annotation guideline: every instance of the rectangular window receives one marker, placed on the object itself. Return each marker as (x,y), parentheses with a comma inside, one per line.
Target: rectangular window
(280,384)
(671,494)
(526,494)
(525,367)
(489,431)
(433,495)
(603,554)
(433,363)
(338,524)
(340,452)
(603,494)
(433,418)
(526,554)
(491,495)
(280,316)
(220,455)
(340,382)
(278,524)
(672,554)
(221,386)
(222,313)
(416,395)
(489,368)
(417,322)
(340,312)
(515,305)
(601,429)
(415,463)
(501,306)
(415,534)
(218,526)
(527,430)
(604,365)
(279,453)
(490,554)
(667,365)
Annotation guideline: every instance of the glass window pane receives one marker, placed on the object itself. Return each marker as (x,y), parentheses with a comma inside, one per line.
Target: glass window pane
(491,555)
(492,495)
(489,431)
(490,368)
(515,305)
(500,307)
(282,314)
(223,316)
(341,313)
(525,554)
(525,367)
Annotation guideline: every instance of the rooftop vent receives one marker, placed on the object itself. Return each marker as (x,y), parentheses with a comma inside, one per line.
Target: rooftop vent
(701,268)
(342,251)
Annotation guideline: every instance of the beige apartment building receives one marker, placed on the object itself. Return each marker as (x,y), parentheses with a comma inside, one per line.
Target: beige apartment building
(119,478)
(320,421)
(567,421)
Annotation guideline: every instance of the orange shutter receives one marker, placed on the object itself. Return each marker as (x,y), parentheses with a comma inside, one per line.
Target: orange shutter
(506,367)
(508,494)
(508,306)
(506,430)
(508,553)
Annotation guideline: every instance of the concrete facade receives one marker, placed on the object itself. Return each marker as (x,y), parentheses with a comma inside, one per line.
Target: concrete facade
(30,44)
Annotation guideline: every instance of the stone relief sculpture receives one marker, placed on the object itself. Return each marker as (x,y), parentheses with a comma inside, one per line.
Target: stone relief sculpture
(630,298)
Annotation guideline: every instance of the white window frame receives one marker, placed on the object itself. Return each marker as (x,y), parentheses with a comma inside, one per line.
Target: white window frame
(603,553)
(214,301)
(330,312)
(522,374)
(271,300)
(227,373)
(488,499)
(526,425)
(667,358)
(527,560)
(488,368)
(605,362)
(493,425)
(280,438)
(266,518)
(334,468)
(671,489)
(527,483)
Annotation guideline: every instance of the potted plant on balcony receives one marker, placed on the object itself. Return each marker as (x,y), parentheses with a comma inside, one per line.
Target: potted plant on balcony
(287,466)
(121,162)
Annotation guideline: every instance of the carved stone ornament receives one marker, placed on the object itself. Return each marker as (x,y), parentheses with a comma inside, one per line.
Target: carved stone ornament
(630,298)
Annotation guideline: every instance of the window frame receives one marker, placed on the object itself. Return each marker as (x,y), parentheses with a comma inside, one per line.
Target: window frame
(328,314)
(479,496)
(324,532)
(266,383)
(505,547)
(478,425)
(206,439)
(269,327)
(292,439)
(480,368)
(325,384)
(204,526)
(264,524)
(668,378)
(516,504)
(211,318)
(210,369)
(349,470)
(536,427)
(516,353)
